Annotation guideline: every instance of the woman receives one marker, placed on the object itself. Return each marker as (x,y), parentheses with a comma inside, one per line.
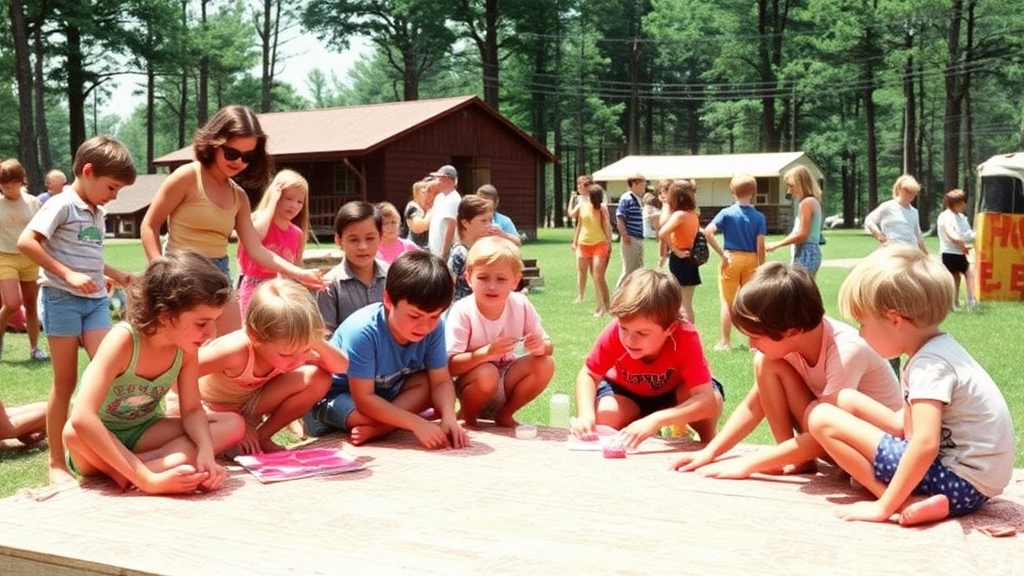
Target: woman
(678,233)
(203,202)
(896,221)
(417,213)
(592,245)
(806,235)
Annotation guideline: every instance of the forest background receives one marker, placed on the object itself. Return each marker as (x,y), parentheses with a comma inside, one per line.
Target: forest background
(868,88)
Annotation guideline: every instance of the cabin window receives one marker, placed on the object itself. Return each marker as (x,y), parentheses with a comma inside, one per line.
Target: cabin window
(345,181)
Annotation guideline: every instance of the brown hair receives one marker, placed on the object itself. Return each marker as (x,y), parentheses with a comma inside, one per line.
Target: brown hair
(108,157)
(172,284)
(472,206)
(229,122)
(681,195)
(954,197)
(648,293)
(12,171)
(778,298)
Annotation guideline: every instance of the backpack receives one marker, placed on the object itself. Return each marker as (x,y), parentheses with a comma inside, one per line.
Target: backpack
(700,252)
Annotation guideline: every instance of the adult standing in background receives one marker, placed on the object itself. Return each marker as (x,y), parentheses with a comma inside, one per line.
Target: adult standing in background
(502,225)
(416,216)
(806,235)
(444,211)
(55,182)
(629,220)
(896,221)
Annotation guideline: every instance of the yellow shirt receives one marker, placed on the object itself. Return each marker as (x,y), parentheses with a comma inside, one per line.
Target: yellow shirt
(199,224)
(591,225)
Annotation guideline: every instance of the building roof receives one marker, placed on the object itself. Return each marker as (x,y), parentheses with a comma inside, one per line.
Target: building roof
(1003,164)
(337,132)
(707,166)
(136,197)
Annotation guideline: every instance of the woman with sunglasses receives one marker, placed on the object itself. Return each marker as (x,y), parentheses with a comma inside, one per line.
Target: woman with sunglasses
(203,201)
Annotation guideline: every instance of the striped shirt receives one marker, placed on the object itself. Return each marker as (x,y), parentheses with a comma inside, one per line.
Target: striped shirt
(632,213)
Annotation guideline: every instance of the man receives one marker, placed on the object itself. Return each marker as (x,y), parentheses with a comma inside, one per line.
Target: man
(441,233)
(55,182)
(629,220)
(502,224)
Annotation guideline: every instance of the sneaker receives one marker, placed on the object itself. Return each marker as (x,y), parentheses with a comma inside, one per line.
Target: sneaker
(38,355)
(972,305)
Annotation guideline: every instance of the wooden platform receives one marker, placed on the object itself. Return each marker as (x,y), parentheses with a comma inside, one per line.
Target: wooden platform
(503,506)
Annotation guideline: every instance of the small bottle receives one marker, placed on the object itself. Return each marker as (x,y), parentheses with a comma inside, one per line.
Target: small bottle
(558,415)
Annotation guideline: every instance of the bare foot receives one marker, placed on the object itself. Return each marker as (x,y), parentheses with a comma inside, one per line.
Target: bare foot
(297,429)
(505,420)
(60,475)
(599,312)
(723,347)
(578,300)
(367,432)
(931,509)
(271,446)
(32,438)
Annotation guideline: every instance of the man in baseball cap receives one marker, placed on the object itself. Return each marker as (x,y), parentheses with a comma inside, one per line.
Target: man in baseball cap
(446,171)
(441,233)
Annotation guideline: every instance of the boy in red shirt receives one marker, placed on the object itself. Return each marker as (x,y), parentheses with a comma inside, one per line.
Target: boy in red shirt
(647,368)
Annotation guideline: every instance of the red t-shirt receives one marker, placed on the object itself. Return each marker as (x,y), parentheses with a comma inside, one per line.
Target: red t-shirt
(681,362)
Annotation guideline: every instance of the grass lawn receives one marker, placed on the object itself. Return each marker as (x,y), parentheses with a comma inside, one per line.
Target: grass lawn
(988,333)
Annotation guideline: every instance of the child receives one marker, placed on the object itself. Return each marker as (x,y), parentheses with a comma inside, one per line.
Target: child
(358,279)
(26,423)
(954,236)
(474,222)
(397,362)
(277,367)
(281,220)
(961,449)
(743,228)
(678,233)
(483,332)
(18,273)
(802,355)
(629,221)
(65,238)
(501,225)
(391,245)
(806,235)
(647,368)
(117,427)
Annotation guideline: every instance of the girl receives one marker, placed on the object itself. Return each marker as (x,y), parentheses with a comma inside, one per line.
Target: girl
(678,233)
(391,245)
(117,426)
(474,222)
(896,221)
(203,201)
(592,242)
(806,235)
(417,213)
(18,273)
(282,220)
(276,367)
(954,236)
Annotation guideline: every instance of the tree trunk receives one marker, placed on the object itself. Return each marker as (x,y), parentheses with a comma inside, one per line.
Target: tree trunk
(75,87)
(150,116)
(909,116)
(203,87)
(872,137)
(489,54)
(42,133)
(28,155)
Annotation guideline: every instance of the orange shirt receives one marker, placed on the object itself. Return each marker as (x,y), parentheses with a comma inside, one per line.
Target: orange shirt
(683,235)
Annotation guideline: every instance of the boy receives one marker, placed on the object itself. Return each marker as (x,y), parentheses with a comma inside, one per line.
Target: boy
(503,226)
(629,221)
(647,368)
(743,229)
(961,451)
(802,355)
(358,279)
(397,362)
(474,220)
(65,238)
(483,332)
(18,274)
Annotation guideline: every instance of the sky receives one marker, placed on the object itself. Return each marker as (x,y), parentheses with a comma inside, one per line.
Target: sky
(302,54)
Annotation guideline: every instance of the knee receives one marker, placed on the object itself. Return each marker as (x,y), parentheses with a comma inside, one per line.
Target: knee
(819,417)
(319,383)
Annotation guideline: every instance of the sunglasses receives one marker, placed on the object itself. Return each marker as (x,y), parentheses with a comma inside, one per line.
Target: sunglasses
(232,154)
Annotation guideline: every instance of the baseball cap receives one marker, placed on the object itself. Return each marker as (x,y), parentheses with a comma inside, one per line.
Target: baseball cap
(446,170)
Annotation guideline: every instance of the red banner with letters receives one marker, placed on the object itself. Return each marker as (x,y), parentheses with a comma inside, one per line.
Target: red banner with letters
(999,261)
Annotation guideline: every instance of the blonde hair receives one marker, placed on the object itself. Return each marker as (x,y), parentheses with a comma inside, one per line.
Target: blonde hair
(648,293)
(494,250)
(901,279)
(285,180)
(745,185)
(905,181)
(387,209)
(284,311)
(803,182)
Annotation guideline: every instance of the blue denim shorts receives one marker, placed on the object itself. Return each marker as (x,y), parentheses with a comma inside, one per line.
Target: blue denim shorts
(807,256)
(333,411)
(964,498)
(65,314)
(222,265)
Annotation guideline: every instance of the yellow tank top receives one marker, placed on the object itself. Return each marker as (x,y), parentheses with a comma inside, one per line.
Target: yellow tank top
(591,225)
(199,224)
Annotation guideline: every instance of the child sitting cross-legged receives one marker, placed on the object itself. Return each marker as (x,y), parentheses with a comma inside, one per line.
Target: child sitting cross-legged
(647,368)
(483,332)
(398,366)
(950,447)
(802,356)
(275,368)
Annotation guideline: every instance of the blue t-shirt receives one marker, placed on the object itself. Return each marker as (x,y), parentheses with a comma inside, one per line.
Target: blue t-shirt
(741,224)
(505,223)
(374,354)
(630,210)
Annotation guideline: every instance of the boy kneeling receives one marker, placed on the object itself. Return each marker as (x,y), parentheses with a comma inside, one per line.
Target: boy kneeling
(647,368)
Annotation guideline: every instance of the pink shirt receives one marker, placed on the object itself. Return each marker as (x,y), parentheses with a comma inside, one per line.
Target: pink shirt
(284,242)
(681,362)
(399,247)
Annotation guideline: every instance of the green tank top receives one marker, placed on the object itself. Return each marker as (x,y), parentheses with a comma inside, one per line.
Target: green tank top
(133,399)
(814,235)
